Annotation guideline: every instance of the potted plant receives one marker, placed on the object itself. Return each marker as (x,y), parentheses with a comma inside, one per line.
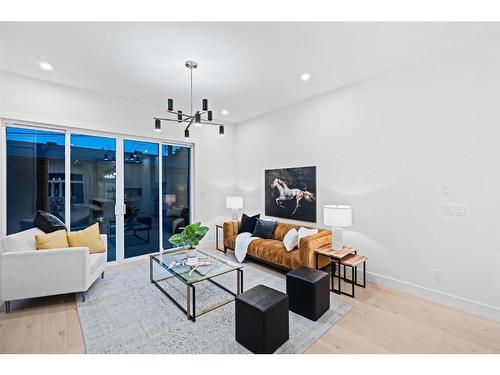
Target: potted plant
(190,236)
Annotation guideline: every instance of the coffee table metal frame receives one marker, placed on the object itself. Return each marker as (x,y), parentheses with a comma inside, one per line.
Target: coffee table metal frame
(190,309)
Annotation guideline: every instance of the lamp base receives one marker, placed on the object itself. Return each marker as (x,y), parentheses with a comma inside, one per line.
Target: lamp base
(235,215)
(337,241)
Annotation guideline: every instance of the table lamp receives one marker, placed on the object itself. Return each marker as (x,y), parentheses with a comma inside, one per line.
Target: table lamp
(234,203)
(170,199)
(338,217)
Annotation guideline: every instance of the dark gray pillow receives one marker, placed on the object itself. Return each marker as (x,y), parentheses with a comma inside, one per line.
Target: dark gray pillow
(48,222)
(264,229)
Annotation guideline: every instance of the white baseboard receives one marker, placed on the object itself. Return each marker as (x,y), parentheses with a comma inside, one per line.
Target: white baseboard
(475,307)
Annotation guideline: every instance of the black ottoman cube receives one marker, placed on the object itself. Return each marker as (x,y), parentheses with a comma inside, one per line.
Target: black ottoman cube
(308,291)
(261,319)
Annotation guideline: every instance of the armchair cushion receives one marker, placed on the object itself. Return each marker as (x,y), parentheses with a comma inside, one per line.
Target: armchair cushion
(87,238)
(53,240)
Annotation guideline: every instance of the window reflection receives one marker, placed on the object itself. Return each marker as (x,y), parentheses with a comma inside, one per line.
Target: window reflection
(35,176)
(141,196)
(175,190)
(93,185)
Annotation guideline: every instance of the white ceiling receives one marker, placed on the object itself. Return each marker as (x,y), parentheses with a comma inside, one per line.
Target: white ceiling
(247,68)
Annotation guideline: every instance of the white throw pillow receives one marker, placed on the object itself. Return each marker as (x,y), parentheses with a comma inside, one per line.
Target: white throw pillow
(291,239)
(304,232)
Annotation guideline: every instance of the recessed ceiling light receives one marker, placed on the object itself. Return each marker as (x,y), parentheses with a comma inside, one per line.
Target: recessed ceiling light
(46,66)
(225,112)
(305,77)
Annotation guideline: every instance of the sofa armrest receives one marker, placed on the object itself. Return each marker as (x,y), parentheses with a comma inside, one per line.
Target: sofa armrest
(309,244)
(230,230)
(104,239)
(26,274)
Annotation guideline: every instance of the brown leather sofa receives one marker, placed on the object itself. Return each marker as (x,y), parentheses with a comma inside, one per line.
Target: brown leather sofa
(273,251)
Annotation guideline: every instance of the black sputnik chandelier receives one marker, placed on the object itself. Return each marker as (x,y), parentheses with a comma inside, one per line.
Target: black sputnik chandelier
(196,118)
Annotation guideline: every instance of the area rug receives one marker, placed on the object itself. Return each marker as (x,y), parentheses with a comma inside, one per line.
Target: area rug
(125,313)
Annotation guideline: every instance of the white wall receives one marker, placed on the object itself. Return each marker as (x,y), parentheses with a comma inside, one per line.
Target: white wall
(33,100)
(387,146)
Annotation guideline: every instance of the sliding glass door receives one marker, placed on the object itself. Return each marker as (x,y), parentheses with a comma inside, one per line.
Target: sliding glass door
(139,192)
(35,175)
(175,190)
(93,185)
(141,198)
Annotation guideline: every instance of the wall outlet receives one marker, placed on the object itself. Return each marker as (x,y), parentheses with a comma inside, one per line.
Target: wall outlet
(437,275)
(454,209)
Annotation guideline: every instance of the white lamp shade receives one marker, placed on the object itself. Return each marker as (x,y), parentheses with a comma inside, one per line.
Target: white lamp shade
(337,215)
(170,198)
(234,202)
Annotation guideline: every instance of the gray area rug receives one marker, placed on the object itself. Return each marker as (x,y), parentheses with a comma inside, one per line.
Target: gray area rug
(125,313)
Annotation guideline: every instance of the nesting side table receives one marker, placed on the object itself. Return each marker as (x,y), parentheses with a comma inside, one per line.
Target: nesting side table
(346,257)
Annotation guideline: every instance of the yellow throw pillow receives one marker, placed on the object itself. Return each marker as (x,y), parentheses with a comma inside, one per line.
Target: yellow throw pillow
(87,238)
(54,240)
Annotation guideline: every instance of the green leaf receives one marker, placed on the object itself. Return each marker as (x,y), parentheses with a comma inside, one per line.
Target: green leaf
(190,236)
(189,231)
(177,239)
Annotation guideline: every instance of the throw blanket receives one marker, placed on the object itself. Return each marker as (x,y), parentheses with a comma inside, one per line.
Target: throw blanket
(241,245)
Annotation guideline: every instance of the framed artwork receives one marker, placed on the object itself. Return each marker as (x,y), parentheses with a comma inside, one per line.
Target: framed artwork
(290,193)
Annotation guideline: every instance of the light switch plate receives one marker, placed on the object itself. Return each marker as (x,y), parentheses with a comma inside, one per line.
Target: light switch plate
(454,209)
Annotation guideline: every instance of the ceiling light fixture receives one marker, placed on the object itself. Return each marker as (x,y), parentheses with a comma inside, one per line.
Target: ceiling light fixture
(221,131)
(305,77)
(225,112)
(195,117)
(157,125)
(46,66)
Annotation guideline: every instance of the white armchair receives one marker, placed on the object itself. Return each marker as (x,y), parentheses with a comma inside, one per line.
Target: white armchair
(27,273)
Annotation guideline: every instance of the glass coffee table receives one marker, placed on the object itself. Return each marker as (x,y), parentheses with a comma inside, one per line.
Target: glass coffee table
(191,267)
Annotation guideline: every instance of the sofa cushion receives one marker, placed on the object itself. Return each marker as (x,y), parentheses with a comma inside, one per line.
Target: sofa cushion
(87,238)
(268,250)
(54,240)
(21,241)
(305,232)
(282,229)
(48,222)
(264,229)
(273,251)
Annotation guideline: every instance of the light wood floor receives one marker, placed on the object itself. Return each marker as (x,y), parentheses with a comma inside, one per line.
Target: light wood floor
(382,320)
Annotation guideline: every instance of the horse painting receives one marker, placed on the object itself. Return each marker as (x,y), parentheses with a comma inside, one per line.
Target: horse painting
(295,202)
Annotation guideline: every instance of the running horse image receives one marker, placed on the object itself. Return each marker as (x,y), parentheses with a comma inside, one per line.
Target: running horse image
(291,193)
(287,194)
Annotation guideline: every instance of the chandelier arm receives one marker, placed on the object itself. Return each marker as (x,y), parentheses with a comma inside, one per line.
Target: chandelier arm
(190,122)
(191,119)
(212,123)
(182,114)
